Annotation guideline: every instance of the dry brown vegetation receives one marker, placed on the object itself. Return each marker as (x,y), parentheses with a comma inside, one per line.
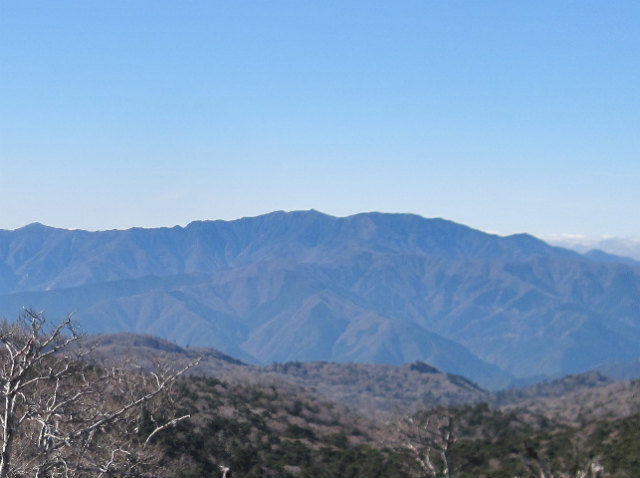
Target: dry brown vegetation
(320,420)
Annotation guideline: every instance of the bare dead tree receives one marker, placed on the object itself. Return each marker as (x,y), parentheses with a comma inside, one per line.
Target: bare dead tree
(60,416)
(539,467)
(536,464)
(429,438)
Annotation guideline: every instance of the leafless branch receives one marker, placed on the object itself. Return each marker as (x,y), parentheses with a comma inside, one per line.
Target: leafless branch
(61,417)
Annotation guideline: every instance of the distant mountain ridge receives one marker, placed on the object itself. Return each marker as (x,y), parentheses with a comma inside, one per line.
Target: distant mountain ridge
(622,247)
(368,388)
(372,390)
(373,287)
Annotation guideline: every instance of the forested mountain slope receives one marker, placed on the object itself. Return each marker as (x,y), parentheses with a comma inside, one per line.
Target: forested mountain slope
(381,288)
(319,419)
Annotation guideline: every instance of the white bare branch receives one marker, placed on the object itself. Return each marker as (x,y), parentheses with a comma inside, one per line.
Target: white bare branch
(62,417)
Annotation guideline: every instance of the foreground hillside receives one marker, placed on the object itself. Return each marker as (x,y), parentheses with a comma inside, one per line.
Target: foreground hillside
(377,288)
(262,431)
(92,406)
(277,421)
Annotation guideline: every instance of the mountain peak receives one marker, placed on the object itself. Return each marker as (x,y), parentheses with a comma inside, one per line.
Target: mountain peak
(34,226)
(371,287)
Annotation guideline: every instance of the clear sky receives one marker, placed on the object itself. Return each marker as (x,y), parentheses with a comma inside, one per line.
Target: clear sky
(508,116)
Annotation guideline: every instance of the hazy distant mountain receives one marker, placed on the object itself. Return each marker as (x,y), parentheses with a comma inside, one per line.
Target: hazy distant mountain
(601,256)
(383,288)
(623,247)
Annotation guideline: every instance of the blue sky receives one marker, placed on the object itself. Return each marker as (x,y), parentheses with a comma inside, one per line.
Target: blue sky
(507,116)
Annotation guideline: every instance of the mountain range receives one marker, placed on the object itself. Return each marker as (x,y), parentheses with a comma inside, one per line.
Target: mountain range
(373,287)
